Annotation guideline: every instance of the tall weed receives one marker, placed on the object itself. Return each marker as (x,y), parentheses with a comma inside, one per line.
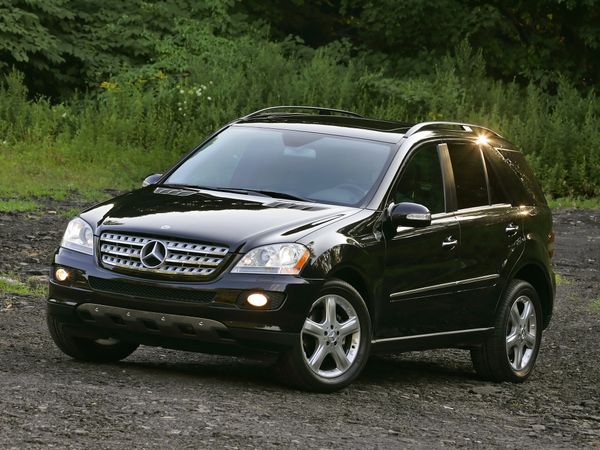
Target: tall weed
(143,120)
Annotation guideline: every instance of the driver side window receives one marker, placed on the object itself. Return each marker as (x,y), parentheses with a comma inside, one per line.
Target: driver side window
(421,180)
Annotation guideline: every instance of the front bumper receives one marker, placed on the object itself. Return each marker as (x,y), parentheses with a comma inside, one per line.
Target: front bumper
(198,316)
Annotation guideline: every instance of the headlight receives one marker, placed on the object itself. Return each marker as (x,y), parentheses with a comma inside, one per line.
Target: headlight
(79,237)
(277,258)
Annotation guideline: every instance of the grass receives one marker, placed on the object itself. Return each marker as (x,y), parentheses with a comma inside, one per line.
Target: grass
(561,280)
(69,213)
(22,182)
(595,306)
(13,205)
(575,202)
(9,284)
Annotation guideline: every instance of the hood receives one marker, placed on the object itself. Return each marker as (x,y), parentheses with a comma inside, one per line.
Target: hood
(237,221)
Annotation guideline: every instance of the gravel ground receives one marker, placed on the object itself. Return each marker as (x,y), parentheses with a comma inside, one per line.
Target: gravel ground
(159,398)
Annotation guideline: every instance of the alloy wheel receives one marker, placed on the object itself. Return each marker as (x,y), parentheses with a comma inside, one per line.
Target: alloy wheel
(331,336)
(521,333)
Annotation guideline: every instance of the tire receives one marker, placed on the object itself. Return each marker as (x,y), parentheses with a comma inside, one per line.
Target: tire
(97,350)
(330,354)
(509,354)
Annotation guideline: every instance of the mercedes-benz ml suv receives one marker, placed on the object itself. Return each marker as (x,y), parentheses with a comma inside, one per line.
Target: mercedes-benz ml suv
(317,236)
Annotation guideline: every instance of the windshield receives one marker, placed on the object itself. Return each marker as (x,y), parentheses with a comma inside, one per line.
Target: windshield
(287,164)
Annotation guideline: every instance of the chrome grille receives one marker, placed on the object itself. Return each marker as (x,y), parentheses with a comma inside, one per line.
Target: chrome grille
(124,251)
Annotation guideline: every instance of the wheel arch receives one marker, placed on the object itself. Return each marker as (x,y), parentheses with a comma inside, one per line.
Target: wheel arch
(539,279)
(354,277)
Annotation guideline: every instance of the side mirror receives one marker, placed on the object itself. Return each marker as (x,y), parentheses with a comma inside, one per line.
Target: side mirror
(151,179)
(409,215)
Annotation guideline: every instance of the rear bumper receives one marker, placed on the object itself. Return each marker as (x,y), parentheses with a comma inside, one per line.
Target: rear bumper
(208,317)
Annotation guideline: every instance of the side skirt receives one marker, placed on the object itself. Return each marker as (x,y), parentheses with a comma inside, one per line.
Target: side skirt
(445,339)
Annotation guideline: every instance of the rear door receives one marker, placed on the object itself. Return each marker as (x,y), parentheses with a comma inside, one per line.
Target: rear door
(491,231)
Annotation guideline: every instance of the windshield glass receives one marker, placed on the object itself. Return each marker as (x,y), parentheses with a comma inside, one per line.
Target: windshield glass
(295,164)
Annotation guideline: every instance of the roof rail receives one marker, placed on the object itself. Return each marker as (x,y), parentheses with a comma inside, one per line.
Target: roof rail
(466,127)
(283,109)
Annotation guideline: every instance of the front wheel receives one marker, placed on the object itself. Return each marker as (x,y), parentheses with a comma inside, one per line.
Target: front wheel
(334,342)
(97,350)
(510,352)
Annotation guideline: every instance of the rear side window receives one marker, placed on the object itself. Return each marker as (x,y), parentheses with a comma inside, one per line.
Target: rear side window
(521,183)
(498,193)
(469,175)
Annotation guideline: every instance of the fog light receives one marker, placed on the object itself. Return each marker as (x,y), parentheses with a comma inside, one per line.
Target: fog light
(61,274)
(257,300)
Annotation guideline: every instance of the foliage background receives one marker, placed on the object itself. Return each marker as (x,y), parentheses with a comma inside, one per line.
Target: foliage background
(95,95)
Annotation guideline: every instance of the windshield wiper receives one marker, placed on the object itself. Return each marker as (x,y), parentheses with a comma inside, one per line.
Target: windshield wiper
(205,188)
(284,195)
(264,193)
(180,186)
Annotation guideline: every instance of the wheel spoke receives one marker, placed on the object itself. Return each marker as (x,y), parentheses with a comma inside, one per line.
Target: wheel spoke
(349,327)
(526,313)
(511,340)
(515,317)
(330,313)
(313,328)
(340,358)
(318,356)
(518,356)
(530,340)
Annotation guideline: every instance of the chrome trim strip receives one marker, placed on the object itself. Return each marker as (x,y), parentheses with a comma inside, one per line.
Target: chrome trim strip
(169,270)
(193,260)
(201,249)
(443,285)
(483,208)
(418,336)
(182,259)
(121,240)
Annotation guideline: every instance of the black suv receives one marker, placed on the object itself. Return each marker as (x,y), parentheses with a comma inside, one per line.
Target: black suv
(318,236)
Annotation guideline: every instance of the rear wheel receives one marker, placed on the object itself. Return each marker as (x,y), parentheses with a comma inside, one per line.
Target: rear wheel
(509,354)
(334,342)
(84,349)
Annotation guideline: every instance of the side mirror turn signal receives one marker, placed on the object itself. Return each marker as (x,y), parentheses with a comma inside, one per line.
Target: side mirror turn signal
(409,215)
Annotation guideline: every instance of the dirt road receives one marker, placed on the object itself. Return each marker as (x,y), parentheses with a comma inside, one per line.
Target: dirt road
(165,399)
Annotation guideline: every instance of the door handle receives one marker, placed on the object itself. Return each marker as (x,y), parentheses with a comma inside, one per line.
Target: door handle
(450,242)
(511,229)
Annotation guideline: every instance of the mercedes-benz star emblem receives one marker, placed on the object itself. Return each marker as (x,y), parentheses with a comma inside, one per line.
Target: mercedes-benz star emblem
(153,254)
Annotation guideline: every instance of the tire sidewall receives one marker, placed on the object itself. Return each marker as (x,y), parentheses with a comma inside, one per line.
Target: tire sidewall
(86,349)
(516,289)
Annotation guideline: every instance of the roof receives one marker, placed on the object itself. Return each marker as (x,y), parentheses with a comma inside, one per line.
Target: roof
(355,127)
(314,119)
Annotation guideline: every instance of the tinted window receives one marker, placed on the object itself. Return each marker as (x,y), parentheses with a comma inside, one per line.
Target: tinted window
(469,175)
(324,168)
(523,185)
(421,182)
(498,193)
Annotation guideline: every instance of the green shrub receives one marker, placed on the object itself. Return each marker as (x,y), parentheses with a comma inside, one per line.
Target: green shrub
(145,118)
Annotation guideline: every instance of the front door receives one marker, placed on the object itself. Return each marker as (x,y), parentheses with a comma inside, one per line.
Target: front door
(422,264)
